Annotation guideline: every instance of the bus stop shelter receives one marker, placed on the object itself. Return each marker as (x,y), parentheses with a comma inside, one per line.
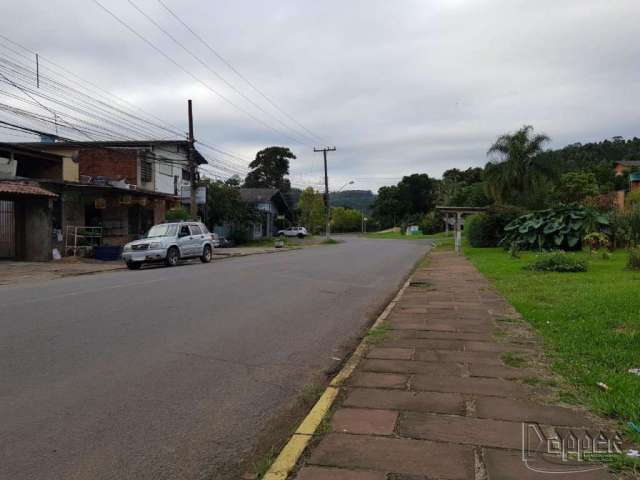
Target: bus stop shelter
(457,214)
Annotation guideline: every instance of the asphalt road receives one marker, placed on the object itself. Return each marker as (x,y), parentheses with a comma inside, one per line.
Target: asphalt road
(169,373)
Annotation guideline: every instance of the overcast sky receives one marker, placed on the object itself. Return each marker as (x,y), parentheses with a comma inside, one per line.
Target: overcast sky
(398,86)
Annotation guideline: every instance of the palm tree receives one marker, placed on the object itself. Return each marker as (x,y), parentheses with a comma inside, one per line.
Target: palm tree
(516,172)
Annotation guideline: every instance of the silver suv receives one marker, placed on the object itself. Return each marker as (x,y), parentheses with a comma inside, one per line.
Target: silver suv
(169,243)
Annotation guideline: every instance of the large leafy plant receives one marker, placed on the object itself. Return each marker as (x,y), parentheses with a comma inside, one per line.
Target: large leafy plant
(555,228)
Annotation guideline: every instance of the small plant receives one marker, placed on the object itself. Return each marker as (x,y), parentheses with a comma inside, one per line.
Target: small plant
(514,249)
(633,263)
(512,359)
(378,334)
(595,241)
(177,213)
(559,262)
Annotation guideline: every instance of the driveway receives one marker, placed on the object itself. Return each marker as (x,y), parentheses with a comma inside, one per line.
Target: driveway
(169,373)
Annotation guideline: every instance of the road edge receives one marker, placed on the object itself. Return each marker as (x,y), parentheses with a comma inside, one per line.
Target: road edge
(288,457)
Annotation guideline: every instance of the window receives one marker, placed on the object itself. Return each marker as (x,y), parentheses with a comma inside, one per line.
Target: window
(196,230)
(184,231)
(186,175)
(146,171)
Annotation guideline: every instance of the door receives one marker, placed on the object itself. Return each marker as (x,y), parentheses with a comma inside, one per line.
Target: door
(185,241)
(198,239)
(7,229)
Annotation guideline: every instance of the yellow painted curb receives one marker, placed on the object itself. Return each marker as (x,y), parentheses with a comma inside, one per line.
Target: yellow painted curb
(288,457)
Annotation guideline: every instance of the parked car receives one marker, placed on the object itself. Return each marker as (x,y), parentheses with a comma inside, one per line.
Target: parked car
(299,232)
(170,243)
(215,240)
(226,242)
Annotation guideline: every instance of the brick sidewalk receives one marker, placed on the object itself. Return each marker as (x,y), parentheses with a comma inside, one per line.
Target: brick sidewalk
(434,399)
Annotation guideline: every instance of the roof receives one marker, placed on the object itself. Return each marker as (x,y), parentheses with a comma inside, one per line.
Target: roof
(111,144)
(28,152)
(258,195)
(11,187)
(56,184)
(629,163)
(266,195)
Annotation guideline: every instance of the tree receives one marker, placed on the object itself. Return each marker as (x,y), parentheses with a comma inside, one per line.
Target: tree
(269,169)
(417,194)
(387,208)
(576,186)
(311,210)
(224,205)
(345,220)
(517,175)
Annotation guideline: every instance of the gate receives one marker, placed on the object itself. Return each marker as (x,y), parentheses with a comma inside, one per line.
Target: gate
(7,229)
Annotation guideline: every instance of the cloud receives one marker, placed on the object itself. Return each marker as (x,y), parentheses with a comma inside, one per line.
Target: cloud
(398,87)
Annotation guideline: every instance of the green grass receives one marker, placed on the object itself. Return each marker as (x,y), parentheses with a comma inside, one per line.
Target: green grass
(514,360)
(590,322)
(378,334)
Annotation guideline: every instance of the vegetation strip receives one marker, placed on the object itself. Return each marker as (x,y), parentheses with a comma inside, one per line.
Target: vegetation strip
(589,321)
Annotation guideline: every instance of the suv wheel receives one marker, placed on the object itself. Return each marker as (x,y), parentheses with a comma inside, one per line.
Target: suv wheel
(206,254)
(173,257)
(134,265)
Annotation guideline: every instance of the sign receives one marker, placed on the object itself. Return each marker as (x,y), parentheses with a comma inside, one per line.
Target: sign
(125,200)
(100,203)
(201,194)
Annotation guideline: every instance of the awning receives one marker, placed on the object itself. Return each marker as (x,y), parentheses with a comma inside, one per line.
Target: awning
(23,188)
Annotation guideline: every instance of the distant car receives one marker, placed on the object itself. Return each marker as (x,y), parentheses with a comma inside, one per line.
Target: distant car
(170,243)
(226,242)
(299,232)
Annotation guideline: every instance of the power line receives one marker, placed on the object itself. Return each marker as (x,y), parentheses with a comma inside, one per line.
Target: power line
(191,74)
(232,68)
(206,66)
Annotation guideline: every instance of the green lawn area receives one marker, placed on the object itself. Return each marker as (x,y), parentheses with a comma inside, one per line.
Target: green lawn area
(590,323)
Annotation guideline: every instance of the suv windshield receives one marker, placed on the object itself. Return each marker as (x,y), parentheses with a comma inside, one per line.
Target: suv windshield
(164,230)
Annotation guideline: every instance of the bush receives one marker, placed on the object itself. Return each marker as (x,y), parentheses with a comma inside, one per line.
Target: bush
(633,263)
(431,223)
(486,229)
(561,227)
(557,262)
(177,213)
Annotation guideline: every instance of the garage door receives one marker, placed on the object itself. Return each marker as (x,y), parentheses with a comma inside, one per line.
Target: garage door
(7,229)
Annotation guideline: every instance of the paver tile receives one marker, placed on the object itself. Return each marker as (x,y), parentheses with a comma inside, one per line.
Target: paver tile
(411,366)
(436,402)
(391,353)
(403,456)
(471,385)
(379,380)
(456,429)
(323,473)
(524,411)
(364,421)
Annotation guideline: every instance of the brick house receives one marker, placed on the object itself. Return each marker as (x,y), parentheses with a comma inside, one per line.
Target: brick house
(111,192)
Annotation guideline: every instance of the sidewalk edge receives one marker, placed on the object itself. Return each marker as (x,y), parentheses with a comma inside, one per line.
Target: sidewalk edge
(288,457)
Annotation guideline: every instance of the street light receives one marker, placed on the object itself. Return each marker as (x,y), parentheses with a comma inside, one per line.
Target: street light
(350,182)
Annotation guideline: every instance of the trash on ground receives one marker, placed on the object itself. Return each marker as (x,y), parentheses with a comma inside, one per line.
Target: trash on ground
(603,386)
(633,453)
(634,426)
(635,371)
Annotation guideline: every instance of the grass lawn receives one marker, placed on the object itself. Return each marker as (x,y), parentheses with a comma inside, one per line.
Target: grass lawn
(590,323)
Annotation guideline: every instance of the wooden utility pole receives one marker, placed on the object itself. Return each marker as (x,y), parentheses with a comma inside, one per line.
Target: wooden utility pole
(192,165)
(327,201)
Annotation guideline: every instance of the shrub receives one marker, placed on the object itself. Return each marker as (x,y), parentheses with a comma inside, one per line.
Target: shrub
(177,213)
(633,263)
(561,227)
(557,262)
(486,229)
(431,223)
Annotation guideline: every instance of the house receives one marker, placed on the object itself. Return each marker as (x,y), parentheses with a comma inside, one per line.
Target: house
(271,205)
(103,193)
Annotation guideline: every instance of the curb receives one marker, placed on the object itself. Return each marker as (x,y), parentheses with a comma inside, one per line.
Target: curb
(286,461)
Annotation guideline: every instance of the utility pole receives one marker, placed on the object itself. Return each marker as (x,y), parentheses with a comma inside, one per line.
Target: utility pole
(37,71)
(192,164)
(327,201)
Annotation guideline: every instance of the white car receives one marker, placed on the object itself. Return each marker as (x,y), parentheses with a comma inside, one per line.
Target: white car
(299,232)
(170,243)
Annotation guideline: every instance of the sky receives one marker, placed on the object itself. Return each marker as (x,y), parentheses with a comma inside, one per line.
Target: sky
(409,86)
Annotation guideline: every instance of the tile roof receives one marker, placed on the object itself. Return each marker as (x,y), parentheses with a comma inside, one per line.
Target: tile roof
(23,188)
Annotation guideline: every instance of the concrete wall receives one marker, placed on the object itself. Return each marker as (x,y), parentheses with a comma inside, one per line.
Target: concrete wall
(166,170)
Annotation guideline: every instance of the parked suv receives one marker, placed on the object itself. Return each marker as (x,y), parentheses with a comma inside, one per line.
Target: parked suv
(170,243)
(299,232)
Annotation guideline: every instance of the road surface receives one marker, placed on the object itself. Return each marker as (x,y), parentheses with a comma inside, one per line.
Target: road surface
(170,373)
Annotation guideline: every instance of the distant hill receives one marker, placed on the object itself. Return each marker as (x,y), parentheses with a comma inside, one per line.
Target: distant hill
(356,199)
